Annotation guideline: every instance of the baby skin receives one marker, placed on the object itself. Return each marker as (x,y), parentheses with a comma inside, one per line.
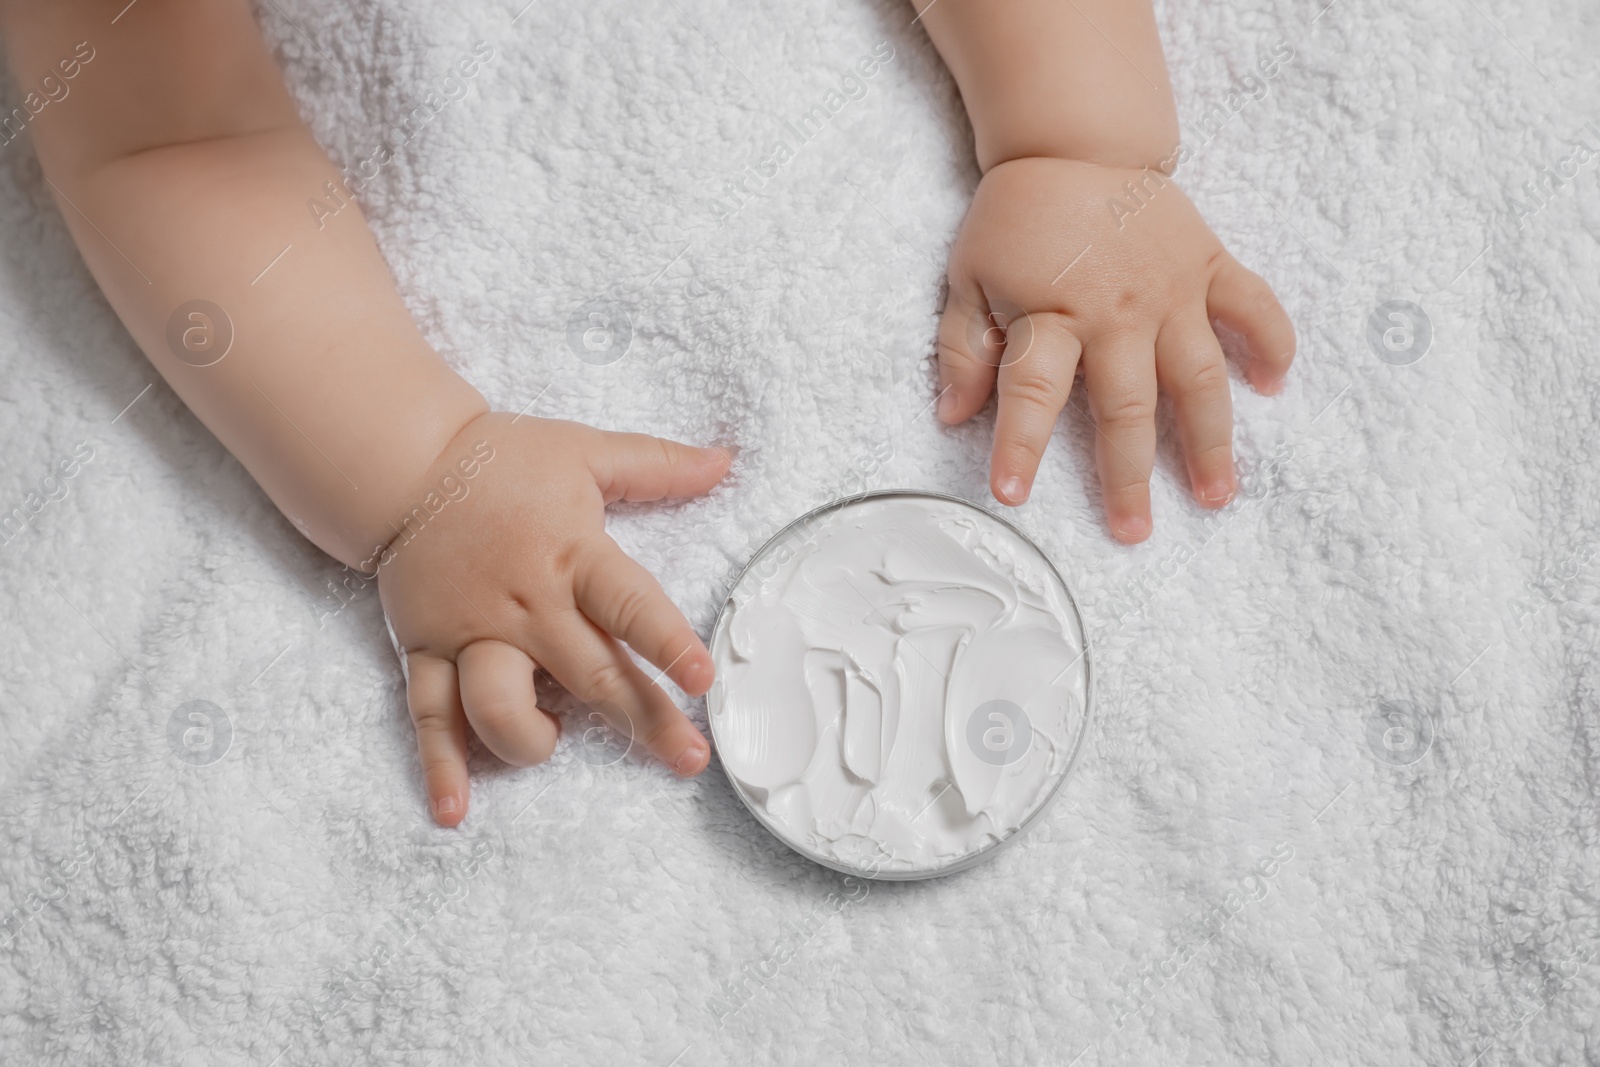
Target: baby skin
(181,167)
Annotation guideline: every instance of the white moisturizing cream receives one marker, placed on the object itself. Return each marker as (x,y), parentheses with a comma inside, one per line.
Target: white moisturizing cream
(902,684)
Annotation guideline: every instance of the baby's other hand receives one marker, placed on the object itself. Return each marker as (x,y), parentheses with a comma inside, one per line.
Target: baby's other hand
(1061,262)
(519,574)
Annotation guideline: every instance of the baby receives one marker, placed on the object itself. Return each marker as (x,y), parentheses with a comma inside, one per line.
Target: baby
(182,167)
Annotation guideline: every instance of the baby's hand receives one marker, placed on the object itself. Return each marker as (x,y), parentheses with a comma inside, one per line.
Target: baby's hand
(1059,259)
(520,574)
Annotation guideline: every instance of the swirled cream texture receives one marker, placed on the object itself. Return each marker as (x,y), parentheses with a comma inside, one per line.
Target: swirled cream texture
(901,683)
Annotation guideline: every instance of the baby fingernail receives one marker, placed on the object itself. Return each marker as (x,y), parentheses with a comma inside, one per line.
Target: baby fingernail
(947,404)
(1217,494)
(1012,491)
(446,806)
(1133,528)
(692,760)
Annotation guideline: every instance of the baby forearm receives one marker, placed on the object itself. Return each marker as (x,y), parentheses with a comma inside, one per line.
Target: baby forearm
(326,392)
(1071,79)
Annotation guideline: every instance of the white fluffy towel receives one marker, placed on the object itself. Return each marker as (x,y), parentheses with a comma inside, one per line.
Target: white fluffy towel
(1338,804)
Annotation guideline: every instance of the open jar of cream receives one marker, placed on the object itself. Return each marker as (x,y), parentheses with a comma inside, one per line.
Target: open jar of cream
(903,684)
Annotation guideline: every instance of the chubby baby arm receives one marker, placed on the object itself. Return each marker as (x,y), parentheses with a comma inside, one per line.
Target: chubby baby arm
(1081,253)
(184,173)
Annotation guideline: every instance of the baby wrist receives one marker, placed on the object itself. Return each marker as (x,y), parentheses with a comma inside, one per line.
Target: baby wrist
(1141,154)
(446,479)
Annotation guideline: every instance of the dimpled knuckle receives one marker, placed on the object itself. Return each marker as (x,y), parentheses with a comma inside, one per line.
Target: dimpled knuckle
(431,719)
(605,678)
(434,761)
(566,558)
(669,455)
(629,609)
(1208,376)
(1023,453)
(1034,388)
(956,359)
(432,765)
(655,733)
(1215,456)
(1132,491)
(1127,410)
(658,729)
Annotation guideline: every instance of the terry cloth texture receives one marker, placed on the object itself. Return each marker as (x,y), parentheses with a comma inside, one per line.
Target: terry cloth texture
(1339,800)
